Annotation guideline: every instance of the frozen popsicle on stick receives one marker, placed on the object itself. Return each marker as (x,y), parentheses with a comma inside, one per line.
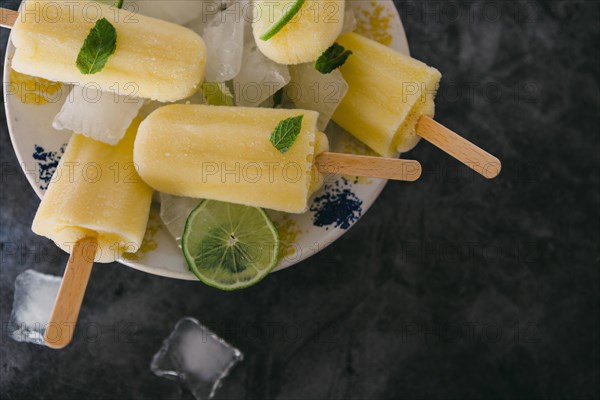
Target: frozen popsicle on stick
(271,158)
(165,61)
(296,31)
(390,105)
(96,208)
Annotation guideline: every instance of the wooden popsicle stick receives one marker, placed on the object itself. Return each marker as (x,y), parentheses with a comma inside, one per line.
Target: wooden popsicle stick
(458,147)
(374,167)
(8,17)
(63,318)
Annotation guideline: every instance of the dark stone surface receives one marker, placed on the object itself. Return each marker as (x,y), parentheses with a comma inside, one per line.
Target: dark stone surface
(453,287)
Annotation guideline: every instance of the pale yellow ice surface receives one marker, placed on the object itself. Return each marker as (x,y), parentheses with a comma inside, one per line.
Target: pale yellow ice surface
(388,93)
(96,191)
(154,59)
(312,31)
(224,153)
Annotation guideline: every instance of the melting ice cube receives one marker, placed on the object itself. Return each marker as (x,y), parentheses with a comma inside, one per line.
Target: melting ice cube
(259,77)
(100,115)
(312,90)
(196,356)
(34,297)
(174,211)
(224,39)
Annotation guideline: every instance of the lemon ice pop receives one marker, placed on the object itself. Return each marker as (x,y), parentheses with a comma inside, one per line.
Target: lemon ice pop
(390,104)
(387,94)
(96,192)
(95,208)
(309,32)
(164,61)
(226,153)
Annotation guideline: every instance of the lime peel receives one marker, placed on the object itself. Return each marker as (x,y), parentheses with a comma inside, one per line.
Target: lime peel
(283,21)
(230,246)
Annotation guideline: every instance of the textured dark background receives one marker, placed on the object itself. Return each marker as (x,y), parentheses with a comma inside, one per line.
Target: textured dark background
(453,287)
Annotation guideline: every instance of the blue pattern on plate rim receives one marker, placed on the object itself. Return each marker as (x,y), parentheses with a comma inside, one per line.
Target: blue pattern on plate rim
(338,206)
(47,161)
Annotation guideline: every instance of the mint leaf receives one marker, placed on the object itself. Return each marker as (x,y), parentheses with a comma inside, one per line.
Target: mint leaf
(100,44)
(286,132)
(334,57)
(217,94)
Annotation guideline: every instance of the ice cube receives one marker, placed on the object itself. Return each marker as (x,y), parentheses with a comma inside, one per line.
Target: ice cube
(196,356)
(259,77)
(210,8)
(33,301)
(197,25)
(103,116)
(174,211)
(177,11)
(224,39)
(312,90)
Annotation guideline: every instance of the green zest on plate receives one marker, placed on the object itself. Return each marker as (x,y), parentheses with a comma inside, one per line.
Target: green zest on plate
(334,57)
(217,94)
(100,44)
(289,11)
(230,246)
(285,133)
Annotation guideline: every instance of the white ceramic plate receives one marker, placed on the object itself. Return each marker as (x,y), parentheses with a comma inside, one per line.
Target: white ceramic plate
(333,210)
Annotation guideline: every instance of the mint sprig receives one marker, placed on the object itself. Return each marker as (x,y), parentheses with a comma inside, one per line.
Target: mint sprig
(334,57)
(285,133)
(100,44)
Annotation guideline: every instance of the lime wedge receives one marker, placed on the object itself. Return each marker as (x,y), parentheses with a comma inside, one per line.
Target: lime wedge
(283,12)
(230,246)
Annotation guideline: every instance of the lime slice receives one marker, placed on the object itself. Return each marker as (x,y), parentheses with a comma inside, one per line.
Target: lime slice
(283,12)
(230,246)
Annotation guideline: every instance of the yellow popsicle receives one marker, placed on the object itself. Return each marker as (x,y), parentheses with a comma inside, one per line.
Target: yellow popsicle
(388,93)
(96,192)
(224,153)
(305,37)
(154,59)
